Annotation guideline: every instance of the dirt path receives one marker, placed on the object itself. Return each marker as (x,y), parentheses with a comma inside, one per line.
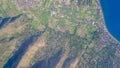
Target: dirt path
(75,63)
(61,62)
(64,57)
(25,61)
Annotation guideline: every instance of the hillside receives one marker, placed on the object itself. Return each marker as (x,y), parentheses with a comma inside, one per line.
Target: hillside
(55,34)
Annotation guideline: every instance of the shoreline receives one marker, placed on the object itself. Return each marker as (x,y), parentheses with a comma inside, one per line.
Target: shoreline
(106,25)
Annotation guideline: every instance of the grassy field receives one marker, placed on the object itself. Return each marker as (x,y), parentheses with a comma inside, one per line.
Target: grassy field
(72,29)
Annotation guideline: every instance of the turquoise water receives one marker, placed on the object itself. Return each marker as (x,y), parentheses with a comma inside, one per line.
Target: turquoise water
(111,11)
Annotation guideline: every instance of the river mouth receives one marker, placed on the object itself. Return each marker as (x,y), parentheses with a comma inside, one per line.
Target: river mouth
(111,17)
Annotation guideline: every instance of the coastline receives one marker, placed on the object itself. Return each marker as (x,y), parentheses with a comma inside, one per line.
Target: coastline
(105,24)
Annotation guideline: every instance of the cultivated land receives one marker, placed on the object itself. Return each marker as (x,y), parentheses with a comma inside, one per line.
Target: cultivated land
(55,34)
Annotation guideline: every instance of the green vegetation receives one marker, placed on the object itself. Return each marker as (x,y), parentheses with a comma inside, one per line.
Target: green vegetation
(44,18)
(61,22)
(74,29)
(34,24)
(3,13)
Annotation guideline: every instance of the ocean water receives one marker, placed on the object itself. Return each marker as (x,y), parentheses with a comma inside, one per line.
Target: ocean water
(111,11)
